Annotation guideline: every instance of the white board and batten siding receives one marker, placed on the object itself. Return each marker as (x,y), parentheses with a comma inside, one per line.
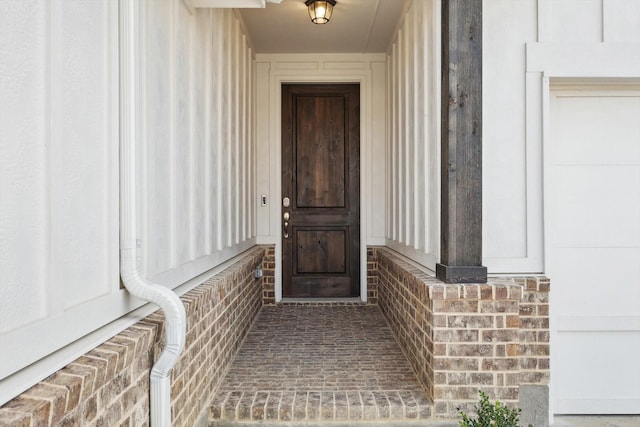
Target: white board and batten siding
(59,167)
(58,176)
(413,135)
(562,183)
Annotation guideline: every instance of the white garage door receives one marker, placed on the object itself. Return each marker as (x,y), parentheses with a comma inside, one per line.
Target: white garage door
(592,198)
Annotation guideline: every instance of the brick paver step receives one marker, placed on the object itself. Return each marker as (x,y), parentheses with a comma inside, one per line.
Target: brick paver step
(319,363)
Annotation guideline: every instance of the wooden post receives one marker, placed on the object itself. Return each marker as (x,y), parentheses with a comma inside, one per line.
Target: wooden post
(461,210)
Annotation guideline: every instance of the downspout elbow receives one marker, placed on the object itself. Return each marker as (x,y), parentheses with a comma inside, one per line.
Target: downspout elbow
(174,329)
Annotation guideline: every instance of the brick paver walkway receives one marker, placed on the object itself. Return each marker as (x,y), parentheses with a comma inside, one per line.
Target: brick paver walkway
(320,363)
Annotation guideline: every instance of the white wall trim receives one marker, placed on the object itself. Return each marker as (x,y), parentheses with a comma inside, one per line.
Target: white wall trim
(181,274)
(427,260)
(532,261)
(584,60)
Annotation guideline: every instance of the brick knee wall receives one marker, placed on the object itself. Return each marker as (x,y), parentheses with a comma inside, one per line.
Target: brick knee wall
(109,385)
(460,339)
(403,299)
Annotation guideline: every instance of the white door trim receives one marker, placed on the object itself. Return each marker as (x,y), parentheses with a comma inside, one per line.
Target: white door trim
(330,68)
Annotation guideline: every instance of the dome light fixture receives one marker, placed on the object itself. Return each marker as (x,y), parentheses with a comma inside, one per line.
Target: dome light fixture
(320,10)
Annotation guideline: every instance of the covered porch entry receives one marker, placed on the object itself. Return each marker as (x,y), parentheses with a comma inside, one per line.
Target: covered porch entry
(416,352)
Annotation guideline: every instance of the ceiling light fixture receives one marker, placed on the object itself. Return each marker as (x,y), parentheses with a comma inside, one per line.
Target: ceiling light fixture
(320,10)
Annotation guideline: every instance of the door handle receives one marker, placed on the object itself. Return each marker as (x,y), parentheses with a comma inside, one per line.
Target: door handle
(285,231)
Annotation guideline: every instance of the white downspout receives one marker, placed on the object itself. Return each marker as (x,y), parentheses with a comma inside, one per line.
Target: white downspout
(175,317)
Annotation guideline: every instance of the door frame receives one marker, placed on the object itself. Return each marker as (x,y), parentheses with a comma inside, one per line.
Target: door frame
(361,75)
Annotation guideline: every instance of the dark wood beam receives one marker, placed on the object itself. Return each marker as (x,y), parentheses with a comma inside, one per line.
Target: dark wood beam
(461,210)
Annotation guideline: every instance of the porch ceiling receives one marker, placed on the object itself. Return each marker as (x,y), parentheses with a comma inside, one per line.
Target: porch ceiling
(357,26)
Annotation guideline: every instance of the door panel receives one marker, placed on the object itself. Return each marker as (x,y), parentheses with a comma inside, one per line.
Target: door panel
(320,178)
(321,251)
(320,152)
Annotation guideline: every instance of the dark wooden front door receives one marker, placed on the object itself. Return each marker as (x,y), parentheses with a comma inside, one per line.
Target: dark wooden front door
(321,190)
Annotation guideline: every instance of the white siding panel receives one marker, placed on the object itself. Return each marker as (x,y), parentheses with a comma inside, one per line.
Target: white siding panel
(621,21)
(83,185)
(227,130)
(263,155)
(421,122)
(236,151)
(197,170)
(413,157)
(249,103)
(200,124)
(570,20)
(157,135)
(24,163)
(408,127)
(507,29)
(377,178)
(219,161)
(394,193)
(182,143)
(432,64)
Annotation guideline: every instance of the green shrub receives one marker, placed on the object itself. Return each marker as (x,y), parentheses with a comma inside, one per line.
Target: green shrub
(491,415)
